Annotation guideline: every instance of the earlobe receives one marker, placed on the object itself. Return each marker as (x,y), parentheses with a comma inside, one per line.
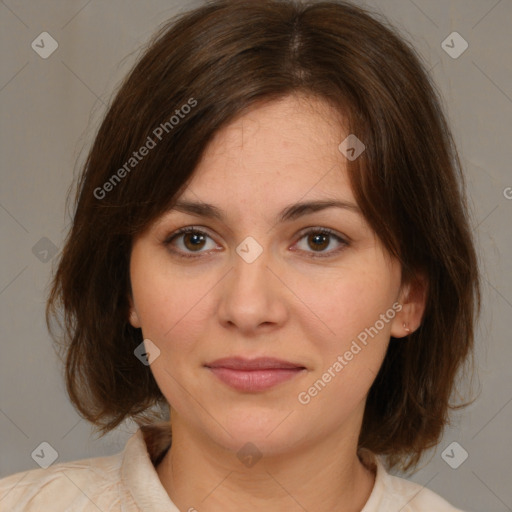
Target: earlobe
(134,317)
(413,298)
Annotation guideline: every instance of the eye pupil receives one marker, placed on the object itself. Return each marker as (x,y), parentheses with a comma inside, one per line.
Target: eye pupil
(320,241)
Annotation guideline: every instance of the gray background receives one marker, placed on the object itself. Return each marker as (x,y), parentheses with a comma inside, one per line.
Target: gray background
(50,109)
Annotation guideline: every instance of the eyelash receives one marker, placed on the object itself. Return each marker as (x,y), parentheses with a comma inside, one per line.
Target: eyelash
(316,230)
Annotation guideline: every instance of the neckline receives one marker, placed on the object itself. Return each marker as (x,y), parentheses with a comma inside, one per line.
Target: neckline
(149,444)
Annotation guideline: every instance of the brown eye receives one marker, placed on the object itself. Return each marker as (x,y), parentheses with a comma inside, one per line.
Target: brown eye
(189,240)
(319,241)
(194,241)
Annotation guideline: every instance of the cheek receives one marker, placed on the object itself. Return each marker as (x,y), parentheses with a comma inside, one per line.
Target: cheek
(350,359)
(171,310)
(356,331)
(348,300)
(171,305)
(355,306)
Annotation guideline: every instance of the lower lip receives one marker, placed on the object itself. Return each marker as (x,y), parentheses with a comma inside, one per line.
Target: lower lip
(255,380)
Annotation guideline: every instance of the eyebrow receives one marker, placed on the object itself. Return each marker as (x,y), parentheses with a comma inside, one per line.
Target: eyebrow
(291,212)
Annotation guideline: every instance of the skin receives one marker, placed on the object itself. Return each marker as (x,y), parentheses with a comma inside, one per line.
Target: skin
(286,304)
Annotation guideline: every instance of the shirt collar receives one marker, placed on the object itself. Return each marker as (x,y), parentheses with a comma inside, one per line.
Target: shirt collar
(139,477)
(150,443)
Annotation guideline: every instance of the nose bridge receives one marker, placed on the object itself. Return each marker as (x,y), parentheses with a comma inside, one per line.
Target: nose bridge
(250,296)
(250,264)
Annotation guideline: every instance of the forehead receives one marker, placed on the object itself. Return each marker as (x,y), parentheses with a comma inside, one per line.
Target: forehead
(285,148)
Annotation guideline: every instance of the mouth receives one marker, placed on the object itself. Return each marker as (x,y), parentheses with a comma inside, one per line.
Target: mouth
(253,375)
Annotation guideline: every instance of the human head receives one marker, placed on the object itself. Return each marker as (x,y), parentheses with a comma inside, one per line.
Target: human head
(219,61)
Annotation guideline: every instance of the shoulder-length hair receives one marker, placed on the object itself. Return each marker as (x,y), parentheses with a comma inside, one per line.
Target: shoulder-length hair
(200,71)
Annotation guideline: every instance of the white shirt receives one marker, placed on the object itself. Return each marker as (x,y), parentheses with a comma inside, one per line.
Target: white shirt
(128,482)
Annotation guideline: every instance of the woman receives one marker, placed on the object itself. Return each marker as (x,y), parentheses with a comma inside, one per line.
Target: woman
(271,239)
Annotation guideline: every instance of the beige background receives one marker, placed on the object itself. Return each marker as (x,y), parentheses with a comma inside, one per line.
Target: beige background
(50,109)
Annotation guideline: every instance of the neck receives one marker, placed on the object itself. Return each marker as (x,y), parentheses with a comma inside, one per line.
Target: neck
(200,475)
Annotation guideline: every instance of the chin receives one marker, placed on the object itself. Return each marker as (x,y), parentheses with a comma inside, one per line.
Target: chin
(269,432)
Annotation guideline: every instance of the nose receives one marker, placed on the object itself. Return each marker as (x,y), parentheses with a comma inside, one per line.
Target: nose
(252,298)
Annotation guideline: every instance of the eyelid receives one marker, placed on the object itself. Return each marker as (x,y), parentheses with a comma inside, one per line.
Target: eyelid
(342,239)
(184,230)
(322,229)
(187,229)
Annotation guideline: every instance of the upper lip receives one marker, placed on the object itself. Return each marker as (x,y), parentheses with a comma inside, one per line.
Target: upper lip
(260,363)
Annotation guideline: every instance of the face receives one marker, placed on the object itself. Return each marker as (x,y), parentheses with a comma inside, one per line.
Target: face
(272,320)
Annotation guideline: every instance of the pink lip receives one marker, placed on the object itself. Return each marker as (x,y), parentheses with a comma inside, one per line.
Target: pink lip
(253,374)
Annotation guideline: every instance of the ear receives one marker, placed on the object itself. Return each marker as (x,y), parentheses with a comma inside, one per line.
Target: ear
(133,316)
(413,298)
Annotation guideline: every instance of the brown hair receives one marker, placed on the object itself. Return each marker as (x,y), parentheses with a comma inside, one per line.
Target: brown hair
(220,59)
